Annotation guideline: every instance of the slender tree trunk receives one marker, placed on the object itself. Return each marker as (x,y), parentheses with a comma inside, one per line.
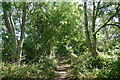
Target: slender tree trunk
(88,40)
(16,48)
(14,38)
(13,49)
(10,27)
(107,36)
(22,35)
(94,45)
(119,17)
(19,54)
(93,30)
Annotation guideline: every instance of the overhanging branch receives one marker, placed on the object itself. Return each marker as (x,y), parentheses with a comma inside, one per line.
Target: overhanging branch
(97,9)
(117,10)
(115,25)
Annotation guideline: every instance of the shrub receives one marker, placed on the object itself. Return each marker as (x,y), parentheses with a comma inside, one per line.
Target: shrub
(34,70)
(103,66)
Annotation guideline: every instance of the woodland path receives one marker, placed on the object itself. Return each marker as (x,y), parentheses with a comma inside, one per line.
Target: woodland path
(61,73)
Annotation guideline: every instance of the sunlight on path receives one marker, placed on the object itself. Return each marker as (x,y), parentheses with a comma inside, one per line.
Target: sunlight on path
(61,72)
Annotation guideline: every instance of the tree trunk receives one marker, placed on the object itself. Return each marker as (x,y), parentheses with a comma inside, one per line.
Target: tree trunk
(88,40)
(19,54)
(16,48)
(107,36)
(22,35)
(13,49)
(10,27)
(93,29)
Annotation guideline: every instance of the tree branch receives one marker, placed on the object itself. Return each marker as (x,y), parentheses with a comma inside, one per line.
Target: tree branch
(117,10)
(23,23)
(97,9)
(115,25)
(93,18)
(11,22)
(88,40)
(17,13)
(7,23)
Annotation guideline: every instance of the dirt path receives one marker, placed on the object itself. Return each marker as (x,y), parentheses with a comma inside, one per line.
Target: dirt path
(61,71)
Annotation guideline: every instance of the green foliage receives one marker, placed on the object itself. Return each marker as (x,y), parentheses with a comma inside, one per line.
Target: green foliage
(6,6)
(62,50)
(57,28)
(52,28)
(7,45)
(103,66)
(35,70)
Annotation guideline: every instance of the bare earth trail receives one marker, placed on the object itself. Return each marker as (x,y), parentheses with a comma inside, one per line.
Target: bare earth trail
(61,73)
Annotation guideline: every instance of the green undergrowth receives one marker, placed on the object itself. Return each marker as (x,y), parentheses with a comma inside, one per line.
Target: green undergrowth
(44,70)
(103,66)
